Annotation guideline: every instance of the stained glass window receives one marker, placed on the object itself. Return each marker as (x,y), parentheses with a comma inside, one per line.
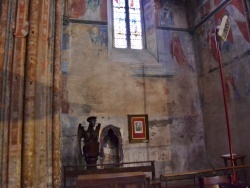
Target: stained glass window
(127,24)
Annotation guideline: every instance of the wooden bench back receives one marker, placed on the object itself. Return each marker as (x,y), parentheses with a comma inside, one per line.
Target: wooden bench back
(213,180)
(140,166)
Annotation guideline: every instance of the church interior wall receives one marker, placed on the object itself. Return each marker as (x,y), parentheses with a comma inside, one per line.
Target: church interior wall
(111,84)
(175,80)
(234,53)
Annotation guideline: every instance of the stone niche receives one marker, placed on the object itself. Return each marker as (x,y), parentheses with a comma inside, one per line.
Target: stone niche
(111,145)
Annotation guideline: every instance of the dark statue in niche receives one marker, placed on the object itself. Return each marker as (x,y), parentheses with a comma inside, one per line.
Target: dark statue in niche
(90,149)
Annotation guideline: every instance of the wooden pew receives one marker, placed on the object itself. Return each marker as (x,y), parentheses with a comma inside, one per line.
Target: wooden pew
(139,166)
(213,171)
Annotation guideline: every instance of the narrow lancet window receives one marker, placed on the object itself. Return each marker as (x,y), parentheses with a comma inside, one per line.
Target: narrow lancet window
(127,25)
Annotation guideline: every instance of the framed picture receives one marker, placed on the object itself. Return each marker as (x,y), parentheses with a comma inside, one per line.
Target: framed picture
(138,128)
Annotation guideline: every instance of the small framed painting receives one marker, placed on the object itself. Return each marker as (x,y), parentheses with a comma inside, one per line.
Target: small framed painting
(138,128)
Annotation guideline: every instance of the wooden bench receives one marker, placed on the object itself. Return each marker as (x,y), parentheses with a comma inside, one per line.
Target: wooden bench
(139,166)
(198,173)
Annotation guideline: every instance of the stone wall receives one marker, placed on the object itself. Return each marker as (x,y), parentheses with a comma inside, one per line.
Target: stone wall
(111,83)
(234,53)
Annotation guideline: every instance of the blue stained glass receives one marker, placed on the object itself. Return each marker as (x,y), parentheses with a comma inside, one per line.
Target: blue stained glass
(134,24)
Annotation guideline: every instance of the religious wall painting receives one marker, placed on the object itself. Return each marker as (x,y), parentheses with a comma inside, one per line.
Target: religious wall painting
(238,38)
(170,14)
(206,46)
(98,35)
(176,50)
(91,40)
(149,20)
(166,16)
(206,7)
(94,10)
(229,49)
(76,8)
(150,28)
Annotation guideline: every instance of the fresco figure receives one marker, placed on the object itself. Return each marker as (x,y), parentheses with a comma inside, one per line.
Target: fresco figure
(211,40)
(231,87)
(239,32)
(92,10)
(177,53)
(166,17)
(98,36)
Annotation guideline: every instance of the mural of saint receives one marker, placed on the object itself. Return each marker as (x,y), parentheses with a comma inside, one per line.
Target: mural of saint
(92,10)
(166,17)
(211,40)
(177,53)
(98,36)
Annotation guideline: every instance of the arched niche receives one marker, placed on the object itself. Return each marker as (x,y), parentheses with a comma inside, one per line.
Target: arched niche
(111,145)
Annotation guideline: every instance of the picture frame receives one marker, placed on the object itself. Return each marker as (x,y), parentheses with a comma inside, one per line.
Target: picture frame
(138,128)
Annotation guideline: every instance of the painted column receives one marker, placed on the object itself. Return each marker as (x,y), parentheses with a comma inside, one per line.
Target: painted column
(57,97)
(4,88)
(30,126)
(16,96)
(29,97)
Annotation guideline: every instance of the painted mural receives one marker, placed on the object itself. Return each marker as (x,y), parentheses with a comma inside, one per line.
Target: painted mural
(150,29)
(233,52)
(170,13)
(176,50)
(98,36)
(94,10)
(230,49)
(205,7)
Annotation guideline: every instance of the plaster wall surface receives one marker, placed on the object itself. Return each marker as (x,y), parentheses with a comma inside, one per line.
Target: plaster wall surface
(110,84)
(234,57)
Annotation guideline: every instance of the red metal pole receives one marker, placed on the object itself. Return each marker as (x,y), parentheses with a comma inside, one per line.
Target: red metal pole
(225,104)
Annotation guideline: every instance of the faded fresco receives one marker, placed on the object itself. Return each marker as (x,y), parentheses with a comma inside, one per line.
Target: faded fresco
(111,88)
(170,13)
(176,50)
(95,10)
(234,54)
(237,42)
(205,7)
(150,27)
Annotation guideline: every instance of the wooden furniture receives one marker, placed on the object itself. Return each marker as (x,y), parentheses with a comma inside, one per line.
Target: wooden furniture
(227,157)
(112,180)
(90,148)
(139,166)
(192,175)
(205,182)
(178,176)
(231,186)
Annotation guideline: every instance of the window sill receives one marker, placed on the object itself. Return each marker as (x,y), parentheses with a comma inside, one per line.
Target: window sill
(131,56)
